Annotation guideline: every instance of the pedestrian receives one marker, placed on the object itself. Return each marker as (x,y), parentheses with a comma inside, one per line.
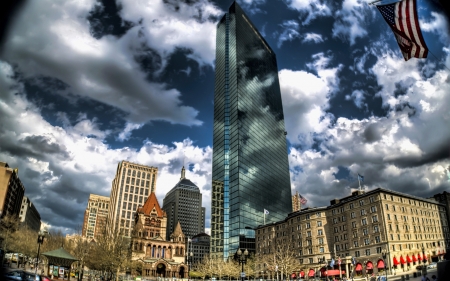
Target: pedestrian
(425,278)
(433,278)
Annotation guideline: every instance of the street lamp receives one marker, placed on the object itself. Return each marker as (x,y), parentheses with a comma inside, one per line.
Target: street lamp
(384,254)
(424,268)
(188,258)
(242,258)
(40,240)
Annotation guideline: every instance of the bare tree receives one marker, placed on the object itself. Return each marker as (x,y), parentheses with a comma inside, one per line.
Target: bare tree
(282,258)
(110,253)
(8,225)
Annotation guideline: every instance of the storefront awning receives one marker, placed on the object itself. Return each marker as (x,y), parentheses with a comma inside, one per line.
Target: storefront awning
(334,272)
(302,274)
(408,259)
(395,261)
(380,264)
(369,265)
(402,260)
(311,273)
(358,267)
(414,258)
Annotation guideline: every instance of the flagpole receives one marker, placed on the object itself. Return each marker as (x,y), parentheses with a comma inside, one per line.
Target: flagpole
(264,218)
(359,182)
(373,2)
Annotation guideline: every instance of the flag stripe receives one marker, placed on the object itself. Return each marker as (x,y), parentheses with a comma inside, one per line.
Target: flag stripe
(403,19)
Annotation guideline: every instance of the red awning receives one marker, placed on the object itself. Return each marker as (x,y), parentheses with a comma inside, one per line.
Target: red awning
(369,265)
(380,264)
(408,259)
(311,273)
(402,260)
(293,276)
(358,267)
(414,258)
(333,272)
(302,274)
(395,261)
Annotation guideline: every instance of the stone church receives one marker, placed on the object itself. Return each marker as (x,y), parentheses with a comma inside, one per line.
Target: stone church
(160,258)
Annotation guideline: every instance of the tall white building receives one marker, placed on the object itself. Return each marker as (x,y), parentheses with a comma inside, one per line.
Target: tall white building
(130,188)
(95,216)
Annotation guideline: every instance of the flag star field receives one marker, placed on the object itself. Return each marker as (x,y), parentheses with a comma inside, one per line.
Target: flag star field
(87,84)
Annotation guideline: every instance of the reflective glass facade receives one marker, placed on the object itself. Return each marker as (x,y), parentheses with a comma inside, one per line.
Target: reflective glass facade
(250,159)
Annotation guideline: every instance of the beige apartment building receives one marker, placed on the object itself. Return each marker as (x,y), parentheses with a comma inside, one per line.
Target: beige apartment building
(11,191)
(355,230)
(29,215)
(131,186)
(95,216)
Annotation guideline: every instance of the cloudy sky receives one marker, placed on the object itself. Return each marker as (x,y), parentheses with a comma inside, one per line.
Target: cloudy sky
(86,84)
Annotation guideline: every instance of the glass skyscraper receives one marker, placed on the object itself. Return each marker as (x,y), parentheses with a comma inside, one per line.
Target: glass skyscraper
(250,158)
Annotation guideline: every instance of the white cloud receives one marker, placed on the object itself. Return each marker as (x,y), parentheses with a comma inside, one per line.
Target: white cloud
(351,21)
(61,166)
(312,37)
(399,151)
(290,32)
(310,9)
(438,25)
(126,133)
(358,97)
(55,41)
(306,99)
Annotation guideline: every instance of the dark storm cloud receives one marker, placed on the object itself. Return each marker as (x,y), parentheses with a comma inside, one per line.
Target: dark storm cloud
(373,132)
(39,147)
(436,154)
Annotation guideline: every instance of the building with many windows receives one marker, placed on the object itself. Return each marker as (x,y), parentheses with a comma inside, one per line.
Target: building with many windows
(11,191)
(356,229)
(183,204)
(250,159)
(199,246)
(131,186)
(444,198)
(29,215)
(95,216)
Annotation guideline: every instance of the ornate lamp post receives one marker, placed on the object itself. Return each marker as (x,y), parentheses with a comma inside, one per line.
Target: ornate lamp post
(242,258)
(424,268)
(189,262)
(384,254)
(40,240)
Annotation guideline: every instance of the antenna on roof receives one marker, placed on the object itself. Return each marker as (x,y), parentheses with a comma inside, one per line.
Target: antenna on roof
(183,170)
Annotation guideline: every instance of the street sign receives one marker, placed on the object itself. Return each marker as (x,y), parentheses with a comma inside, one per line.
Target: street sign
(242,274)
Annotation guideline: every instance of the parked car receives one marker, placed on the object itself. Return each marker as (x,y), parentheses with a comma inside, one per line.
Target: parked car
(432,265)
(20,275)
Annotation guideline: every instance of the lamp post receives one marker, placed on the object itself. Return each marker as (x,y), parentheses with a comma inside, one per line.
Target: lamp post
(242,258)
(40,240)
(189,261)
(384,254)
(424,268)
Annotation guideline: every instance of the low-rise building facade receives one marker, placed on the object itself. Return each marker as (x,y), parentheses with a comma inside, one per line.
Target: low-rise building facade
(29,215)
(358,229)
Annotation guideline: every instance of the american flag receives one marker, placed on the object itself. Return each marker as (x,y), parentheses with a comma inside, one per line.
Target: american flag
(302,199)
(402,18)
